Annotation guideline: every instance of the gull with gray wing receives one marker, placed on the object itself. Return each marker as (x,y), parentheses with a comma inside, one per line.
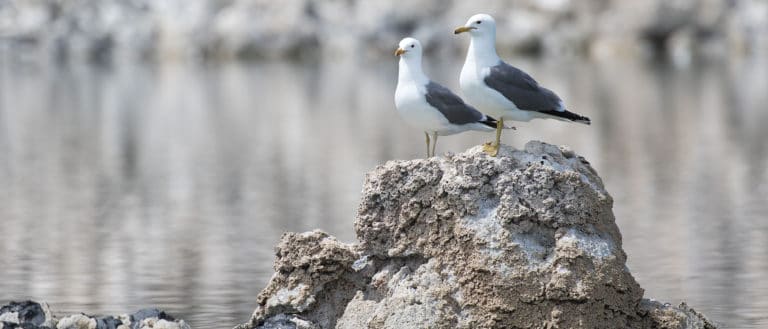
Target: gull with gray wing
(429,106)
(500,89)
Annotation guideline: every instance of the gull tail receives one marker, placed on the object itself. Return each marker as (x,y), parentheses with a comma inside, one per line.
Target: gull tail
(569,116)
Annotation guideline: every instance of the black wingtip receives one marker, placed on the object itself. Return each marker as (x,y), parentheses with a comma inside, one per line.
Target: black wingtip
(569,116)
(584,120)
(489,121)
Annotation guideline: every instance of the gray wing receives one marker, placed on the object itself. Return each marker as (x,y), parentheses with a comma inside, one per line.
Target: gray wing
(522,90)
(451,106)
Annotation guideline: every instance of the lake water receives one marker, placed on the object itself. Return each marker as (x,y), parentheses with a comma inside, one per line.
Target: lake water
(134,185)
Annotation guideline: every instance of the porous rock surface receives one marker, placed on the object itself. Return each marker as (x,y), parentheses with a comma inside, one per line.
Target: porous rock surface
(524,240)
(33,315)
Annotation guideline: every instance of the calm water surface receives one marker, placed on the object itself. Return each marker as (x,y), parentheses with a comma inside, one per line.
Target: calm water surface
(126,185)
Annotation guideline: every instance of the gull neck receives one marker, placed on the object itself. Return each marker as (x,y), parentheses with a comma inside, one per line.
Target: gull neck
(410,70)
(482,51)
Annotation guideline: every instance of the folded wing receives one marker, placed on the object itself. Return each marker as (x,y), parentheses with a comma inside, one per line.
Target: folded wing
(451,106)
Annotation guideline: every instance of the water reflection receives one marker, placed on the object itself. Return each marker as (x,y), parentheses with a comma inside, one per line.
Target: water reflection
(132,185)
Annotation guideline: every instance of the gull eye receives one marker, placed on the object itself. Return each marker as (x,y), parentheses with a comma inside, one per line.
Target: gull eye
(479,22)
(413,46)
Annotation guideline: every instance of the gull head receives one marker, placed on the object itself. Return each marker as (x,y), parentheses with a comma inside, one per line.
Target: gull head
(409,48)
(478,25)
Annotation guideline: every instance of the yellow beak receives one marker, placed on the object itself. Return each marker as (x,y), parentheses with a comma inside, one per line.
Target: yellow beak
(399,51)
(462,29)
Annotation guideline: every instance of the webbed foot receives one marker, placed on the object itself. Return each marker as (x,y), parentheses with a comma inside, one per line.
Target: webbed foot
(491,149)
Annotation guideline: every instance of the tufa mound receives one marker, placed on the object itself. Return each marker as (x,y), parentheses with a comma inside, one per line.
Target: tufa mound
(524,240)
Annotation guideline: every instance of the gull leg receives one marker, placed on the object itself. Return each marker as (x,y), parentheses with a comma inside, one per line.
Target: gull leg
(499,127)
(434,142)
(426,134)
(493,149)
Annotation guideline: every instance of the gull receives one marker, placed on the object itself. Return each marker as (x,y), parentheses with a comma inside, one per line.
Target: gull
(500,89)
(429,106)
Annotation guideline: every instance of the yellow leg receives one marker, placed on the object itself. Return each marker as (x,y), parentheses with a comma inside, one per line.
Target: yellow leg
(499,127)
(434,142)
(426,134)
(493,149)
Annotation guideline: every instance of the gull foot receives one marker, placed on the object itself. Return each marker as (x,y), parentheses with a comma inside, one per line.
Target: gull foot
(491,149)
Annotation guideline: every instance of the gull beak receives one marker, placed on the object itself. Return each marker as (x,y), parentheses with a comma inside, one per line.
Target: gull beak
(399,51)
(462,29)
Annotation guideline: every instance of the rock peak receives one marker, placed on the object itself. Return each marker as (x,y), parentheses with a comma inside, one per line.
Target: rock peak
(526,239)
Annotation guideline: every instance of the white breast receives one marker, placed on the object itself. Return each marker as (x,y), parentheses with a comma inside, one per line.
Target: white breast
(414,109)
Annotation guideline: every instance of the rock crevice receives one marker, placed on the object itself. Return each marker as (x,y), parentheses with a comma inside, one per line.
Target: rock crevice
(524,240)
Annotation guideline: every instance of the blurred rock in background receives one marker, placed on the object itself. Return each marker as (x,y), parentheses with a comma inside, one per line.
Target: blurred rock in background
(163,29)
